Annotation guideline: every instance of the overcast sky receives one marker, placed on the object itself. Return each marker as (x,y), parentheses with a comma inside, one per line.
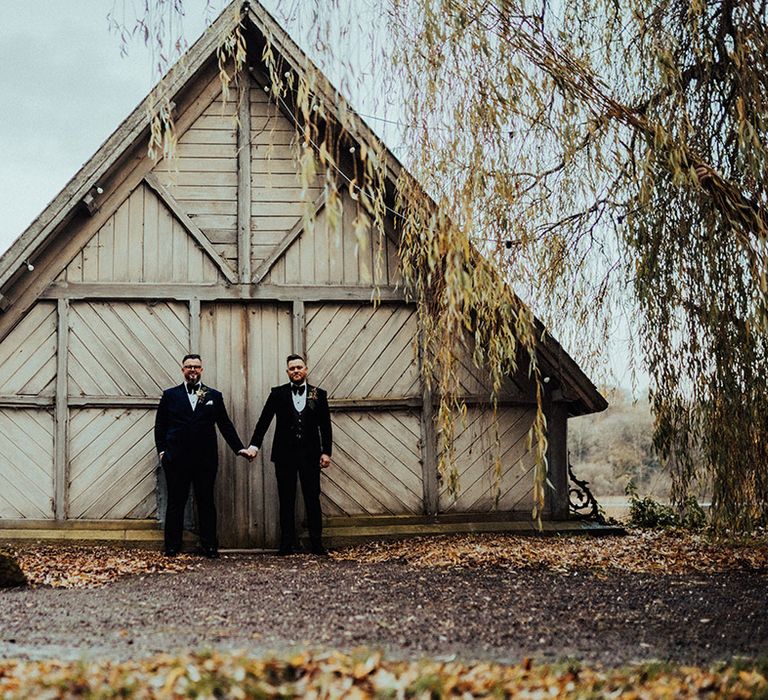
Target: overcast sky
(64,88)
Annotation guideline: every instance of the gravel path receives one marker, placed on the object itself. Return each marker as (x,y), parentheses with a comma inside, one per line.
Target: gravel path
(264,603)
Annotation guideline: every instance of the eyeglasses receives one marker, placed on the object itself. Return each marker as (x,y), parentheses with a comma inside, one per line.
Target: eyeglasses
(191,366)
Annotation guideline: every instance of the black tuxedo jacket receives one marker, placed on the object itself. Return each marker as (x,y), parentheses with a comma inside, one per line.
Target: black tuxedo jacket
(190,436)
(315,416)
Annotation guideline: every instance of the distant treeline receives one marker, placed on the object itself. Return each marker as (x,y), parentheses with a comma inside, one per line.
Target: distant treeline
(608,449)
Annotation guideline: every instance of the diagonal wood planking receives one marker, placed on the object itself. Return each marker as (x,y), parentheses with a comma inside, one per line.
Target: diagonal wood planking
(362,351)
(376,465)
(475,381)
(26,463)
(126,348)
(476,451)
(28,354)
(112,464)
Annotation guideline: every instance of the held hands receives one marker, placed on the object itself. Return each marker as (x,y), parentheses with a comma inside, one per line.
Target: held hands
(325,461)
(249,453)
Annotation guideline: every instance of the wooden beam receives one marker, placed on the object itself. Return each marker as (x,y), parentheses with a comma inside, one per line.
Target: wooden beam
(484,402)
(115,401)
(194,324)
(30,524)
(219,292)
(430,485)
(376,404)
(556,496)
(244,176)
(299,328)
(288,239)
(60,451)
(191,227)
(11,401)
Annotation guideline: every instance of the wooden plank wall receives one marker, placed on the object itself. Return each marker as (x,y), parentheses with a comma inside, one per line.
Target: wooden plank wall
(120,348)
(28,354)
(203,175)
(363,355)
(26,463)
(244,348)
(362,351)
(112,463)
(478,442)
(121,352)
(80,379)
(342,249)
(277,199)
(141,242)
(474,382)
(27,386)
(376,466)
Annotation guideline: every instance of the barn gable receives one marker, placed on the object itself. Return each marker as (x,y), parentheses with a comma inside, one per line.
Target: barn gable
(223,250)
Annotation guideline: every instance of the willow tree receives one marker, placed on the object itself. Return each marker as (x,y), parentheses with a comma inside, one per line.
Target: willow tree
(596,156)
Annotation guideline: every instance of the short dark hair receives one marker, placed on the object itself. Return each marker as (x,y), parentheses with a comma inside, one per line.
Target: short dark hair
(191,356)
(293,357)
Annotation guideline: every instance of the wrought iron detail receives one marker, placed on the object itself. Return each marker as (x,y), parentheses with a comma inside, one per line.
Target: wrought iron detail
(581,501)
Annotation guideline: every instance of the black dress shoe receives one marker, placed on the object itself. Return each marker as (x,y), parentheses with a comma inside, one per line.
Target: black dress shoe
(285,550)
(211,553)
(318,550)
(170,552)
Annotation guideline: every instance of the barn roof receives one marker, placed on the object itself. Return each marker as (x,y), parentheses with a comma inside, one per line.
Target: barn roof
(79,193)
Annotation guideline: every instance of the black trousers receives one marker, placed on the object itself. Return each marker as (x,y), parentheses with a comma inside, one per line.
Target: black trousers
(308,470)
(178,478)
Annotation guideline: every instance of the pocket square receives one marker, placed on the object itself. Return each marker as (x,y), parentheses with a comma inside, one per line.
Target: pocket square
(209,403)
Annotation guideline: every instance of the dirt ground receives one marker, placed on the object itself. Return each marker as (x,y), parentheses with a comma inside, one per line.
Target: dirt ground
(261,603)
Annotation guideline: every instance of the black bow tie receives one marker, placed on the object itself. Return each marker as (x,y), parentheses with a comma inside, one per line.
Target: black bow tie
(192,387)
(297,389)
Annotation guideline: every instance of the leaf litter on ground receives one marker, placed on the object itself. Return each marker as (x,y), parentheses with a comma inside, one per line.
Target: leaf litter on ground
(65,565)
(363,674)
(640,551)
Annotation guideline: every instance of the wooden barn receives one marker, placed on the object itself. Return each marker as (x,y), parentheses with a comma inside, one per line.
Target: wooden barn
(138,261)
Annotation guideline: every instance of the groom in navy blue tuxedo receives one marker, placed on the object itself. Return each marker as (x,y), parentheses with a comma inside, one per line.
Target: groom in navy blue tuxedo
(185,437)
(301,446)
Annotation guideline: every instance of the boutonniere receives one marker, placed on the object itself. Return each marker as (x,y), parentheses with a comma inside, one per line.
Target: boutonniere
(201,392)
(312,396)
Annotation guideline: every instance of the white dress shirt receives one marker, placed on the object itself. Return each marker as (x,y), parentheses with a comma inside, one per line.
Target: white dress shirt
(193,397)
(299,400)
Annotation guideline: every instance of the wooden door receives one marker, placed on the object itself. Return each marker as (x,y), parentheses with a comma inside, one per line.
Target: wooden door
(244,346)
(27,428)
(120,357)
(365,357)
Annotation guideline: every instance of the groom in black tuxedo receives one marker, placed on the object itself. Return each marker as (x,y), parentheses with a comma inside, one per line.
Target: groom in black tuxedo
(302,445)
(185,437)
